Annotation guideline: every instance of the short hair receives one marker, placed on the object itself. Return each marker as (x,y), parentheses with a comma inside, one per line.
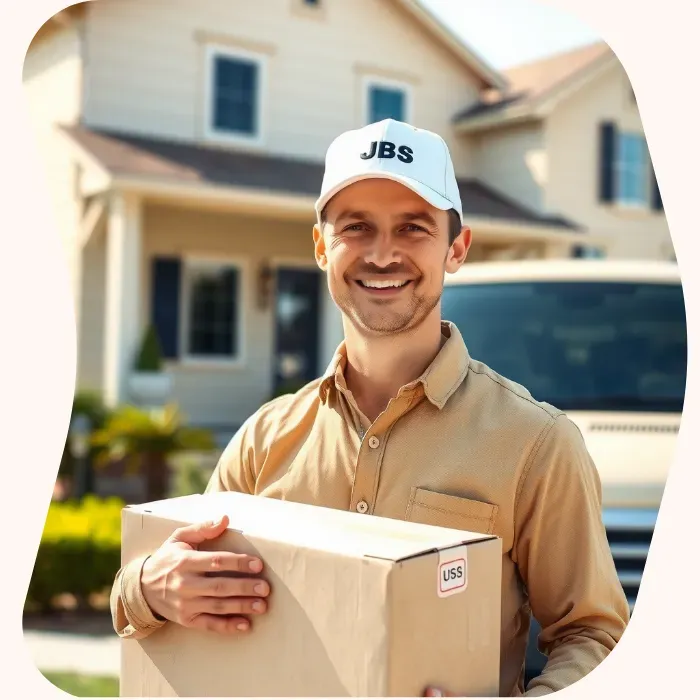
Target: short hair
(455,226)
(454,219)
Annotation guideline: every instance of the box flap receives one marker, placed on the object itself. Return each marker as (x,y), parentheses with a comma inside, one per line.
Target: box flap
(326,529)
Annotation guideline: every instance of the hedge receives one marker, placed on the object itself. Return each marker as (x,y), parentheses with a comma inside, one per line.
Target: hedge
(79,551)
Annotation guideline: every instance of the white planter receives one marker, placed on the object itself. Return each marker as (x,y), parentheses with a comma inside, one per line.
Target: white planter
(150,388)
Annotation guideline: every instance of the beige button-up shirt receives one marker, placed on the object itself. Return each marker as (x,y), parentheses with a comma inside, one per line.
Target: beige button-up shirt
(460,447)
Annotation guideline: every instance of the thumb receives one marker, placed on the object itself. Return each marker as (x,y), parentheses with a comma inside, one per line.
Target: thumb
(200,532)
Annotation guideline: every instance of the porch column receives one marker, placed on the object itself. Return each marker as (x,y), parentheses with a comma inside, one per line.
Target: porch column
(122,294)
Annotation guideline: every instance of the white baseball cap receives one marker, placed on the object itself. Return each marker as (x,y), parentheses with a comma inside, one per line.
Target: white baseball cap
(393,150)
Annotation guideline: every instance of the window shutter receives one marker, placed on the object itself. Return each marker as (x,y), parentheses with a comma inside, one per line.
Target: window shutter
(165,303)
(656,202)
(606,190)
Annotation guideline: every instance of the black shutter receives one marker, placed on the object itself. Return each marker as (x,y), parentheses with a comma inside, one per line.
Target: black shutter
(606,189)
(656,202)
(165,303)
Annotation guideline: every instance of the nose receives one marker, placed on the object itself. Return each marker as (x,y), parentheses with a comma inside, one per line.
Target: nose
(382,250)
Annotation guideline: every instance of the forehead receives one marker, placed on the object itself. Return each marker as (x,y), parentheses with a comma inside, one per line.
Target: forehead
(377,195)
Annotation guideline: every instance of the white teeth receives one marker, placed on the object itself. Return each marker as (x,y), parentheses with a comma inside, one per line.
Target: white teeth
(383,284)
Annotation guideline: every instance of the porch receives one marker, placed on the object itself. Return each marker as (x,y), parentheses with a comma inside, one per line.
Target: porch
(215,249)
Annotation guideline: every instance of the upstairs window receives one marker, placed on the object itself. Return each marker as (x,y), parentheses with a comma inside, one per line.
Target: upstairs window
(626,176)
(632,170)
(386,100)
(234,100)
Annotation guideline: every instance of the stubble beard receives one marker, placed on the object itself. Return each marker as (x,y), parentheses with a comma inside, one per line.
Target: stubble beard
(382,320)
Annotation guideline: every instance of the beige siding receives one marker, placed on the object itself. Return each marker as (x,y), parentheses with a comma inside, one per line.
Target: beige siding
(572,145)
(514,161)
(52,87)
(225,395)
(146,67)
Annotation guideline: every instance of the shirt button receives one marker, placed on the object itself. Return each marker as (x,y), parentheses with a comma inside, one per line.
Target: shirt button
(362,507)
(374,442)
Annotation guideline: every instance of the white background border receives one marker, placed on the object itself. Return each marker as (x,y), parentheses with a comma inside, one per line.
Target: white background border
(656,42)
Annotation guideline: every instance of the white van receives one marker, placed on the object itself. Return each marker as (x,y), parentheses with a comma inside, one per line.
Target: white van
(604,341)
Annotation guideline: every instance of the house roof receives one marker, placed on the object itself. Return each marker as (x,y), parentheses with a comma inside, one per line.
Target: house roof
(491,78)
(535,83)
(155,159)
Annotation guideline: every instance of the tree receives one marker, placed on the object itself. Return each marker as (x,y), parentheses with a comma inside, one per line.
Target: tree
(146,440)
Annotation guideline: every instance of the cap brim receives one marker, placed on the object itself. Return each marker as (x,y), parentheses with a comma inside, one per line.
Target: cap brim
(428,194)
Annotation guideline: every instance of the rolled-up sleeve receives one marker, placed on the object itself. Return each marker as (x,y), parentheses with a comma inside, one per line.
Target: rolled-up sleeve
(131,616)
(564,559)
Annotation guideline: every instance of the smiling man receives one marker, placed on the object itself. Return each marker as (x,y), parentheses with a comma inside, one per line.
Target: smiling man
(405,424)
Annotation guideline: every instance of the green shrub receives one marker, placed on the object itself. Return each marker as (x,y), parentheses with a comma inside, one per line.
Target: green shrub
(79,552)
(150,356)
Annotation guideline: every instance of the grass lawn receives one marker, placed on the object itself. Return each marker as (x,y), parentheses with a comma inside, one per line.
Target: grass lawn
(85,686)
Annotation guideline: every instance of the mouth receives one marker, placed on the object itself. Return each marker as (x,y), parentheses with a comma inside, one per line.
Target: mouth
(385,287)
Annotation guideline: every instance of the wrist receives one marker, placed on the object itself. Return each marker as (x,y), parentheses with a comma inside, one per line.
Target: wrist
(146,581)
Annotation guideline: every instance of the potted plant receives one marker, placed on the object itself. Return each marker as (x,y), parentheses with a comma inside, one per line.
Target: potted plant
(149,383)
(146,440)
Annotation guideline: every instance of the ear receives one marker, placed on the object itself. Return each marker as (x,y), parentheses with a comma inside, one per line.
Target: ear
(458,250)
(320,247)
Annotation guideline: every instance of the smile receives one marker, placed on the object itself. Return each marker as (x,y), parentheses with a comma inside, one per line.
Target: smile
(383,284)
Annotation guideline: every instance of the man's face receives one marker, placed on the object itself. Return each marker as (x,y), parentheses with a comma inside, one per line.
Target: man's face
(385,251)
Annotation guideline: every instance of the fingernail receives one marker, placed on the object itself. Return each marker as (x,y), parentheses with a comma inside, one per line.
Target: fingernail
(242,626)
(261,588)
(258,606)
(255,565)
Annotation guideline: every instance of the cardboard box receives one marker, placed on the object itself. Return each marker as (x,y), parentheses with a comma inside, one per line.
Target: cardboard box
(360,606)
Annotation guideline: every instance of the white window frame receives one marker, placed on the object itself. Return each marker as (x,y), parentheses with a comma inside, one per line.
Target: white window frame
(370,81)
(190,262)
(212,52)
(619,201)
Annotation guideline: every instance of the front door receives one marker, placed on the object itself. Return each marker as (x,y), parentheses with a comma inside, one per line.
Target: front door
(297,323)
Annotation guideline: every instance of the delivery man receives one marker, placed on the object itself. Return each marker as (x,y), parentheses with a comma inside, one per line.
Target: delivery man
(404,416)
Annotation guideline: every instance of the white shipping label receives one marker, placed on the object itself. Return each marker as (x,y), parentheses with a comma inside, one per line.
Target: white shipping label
(452,571)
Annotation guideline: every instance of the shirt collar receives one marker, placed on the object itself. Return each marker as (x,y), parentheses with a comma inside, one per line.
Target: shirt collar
(439,381)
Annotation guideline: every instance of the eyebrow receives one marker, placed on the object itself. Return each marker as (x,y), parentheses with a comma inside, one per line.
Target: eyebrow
(353,214)
(423,216)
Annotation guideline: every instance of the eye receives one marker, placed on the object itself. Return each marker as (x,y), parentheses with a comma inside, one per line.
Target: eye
(414,228)
(353,228)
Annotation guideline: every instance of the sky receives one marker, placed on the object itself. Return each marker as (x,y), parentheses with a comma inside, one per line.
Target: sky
(509,32)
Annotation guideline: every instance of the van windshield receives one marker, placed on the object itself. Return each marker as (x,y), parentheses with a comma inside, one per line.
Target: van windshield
(588,346)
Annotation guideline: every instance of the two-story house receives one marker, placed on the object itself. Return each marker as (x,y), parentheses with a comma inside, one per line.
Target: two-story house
(184,144)
(567,137)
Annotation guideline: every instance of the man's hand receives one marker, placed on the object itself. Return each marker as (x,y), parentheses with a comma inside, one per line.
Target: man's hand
(176,587)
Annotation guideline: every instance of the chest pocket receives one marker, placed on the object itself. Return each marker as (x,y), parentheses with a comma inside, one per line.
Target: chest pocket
(455,512)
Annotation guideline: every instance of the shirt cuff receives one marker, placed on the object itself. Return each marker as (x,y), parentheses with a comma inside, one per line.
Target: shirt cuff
(140,619)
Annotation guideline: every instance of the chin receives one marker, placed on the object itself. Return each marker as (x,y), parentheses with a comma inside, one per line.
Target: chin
(380,326)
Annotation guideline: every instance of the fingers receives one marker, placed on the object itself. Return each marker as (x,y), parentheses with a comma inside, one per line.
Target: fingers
(221,624)
(224,587)
(222,561)
(200,532)
(230,606)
